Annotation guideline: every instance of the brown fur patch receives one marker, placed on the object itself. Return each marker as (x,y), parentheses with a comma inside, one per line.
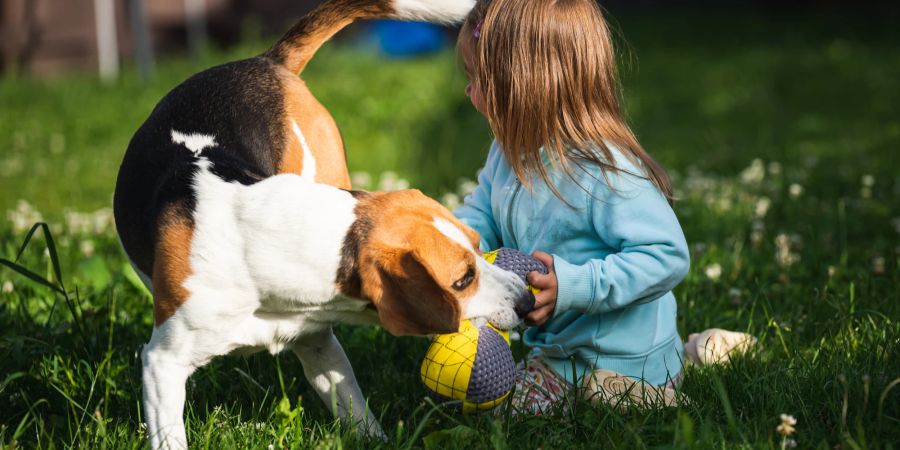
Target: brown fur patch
(406,266)
(171,265)
(321,133)
(300,43)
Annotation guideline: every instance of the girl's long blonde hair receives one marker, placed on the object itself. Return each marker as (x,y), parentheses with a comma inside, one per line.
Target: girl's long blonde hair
(547,72)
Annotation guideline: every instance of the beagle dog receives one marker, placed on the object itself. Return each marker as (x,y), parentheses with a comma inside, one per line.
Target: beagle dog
(233,203)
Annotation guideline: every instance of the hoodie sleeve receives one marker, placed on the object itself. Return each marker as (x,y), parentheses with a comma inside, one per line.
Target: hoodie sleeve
(651,255)
(476,210)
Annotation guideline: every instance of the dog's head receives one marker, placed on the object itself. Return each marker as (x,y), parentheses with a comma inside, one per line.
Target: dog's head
(422,269)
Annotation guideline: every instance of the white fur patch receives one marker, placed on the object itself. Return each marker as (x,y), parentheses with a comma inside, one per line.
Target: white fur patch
(496,297)
(453,232)
(195,142)
(433,10)
(263,259)
(309,162)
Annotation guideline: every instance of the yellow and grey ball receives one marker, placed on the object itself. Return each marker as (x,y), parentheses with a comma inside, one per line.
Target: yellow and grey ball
(476,365)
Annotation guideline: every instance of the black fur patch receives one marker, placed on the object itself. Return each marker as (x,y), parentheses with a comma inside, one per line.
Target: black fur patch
(348,279)
(241,105)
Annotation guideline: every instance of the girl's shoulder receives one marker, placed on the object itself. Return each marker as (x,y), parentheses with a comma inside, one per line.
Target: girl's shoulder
(628,177)
(620,173)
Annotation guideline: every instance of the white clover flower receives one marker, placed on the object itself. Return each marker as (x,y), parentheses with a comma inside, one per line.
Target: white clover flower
(756,237)
(8,287)
(450,200)
(361,180)
(386,179)
(77,222)
(786,427)
(774,168)
(783,255)
(878,267)
(832,271)
(24,216)
(713,271)
(762,207)
(271,447)
(390,182)
(723,204)
(782,241)
(755,173)
(795,191)
(466,187)
(787,259)
(102,220)
(868,181)
(87,247)
(97,222)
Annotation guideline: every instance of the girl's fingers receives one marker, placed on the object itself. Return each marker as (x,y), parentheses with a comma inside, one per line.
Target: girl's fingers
(540,280)
(545,258)
(539,315)
(541,299)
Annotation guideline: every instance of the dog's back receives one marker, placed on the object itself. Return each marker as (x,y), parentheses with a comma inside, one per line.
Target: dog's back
(250,119)
(226,115)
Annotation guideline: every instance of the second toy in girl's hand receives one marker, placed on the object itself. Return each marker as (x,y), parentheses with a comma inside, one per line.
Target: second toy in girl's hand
(516,262)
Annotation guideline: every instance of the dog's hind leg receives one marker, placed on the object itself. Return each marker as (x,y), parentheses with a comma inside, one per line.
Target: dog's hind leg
(172,355)
(328,370)
(164,394)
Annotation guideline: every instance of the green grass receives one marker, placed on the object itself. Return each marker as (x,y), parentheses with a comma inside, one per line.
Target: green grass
(814,275)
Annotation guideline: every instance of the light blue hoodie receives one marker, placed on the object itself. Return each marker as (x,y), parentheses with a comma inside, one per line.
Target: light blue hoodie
(618,253)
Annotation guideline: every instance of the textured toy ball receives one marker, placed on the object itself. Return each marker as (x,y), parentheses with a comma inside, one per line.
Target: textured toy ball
(476,365)
(516,262)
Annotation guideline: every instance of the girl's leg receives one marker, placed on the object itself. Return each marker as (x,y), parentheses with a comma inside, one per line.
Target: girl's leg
(539,390)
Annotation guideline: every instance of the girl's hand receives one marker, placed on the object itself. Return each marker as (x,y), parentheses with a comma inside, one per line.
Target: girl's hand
(544,301)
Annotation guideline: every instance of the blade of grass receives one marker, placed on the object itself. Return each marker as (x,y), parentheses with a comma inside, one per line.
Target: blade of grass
(21,270)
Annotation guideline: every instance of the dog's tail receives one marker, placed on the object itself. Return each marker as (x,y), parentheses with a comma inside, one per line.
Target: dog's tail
(299,44)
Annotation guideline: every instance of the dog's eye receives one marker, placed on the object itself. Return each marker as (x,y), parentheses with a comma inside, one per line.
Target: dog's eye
(465,281)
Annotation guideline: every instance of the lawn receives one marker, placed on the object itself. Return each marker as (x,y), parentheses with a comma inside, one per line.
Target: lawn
(782,135)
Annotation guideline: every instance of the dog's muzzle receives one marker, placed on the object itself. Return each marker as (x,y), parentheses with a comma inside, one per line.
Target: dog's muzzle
(524,304)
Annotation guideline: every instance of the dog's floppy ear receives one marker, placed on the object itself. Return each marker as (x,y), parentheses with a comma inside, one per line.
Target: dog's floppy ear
(411,300)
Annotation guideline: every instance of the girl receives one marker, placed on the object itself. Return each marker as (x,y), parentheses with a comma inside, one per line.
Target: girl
(568,180)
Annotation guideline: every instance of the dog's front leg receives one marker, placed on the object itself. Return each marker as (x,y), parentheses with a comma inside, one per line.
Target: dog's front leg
(328,370)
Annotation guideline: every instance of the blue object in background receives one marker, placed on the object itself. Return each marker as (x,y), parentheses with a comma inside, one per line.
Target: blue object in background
(404,39)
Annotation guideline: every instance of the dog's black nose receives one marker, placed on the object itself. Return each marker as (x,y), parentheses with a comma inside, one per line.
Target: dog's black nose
(524,304)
